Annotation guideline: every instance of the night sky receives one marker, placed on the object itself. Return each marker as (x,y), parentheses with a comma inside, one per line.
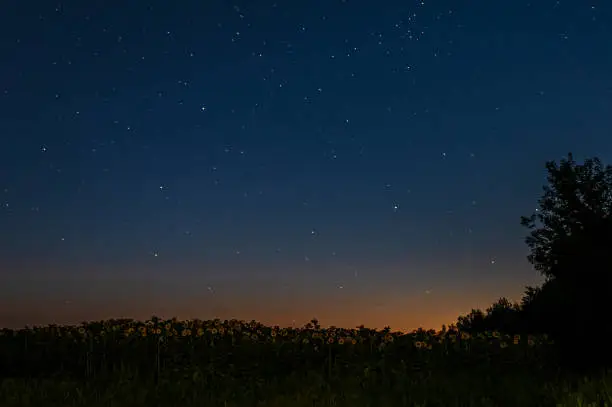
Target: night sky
(356,161)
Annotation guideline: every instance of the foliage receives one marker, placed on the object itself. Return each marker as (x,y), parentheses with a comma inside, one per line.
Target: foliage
(569,240)
(235,363)
(572,227)
(502,316)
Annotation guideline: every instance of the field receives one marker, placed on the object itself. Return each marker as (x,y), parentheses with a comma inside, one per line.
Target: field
(234,364)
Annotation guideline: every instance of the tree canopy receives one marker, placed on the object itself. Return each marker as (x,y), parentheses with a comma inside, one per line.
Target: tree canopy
(572,226)
(570,242)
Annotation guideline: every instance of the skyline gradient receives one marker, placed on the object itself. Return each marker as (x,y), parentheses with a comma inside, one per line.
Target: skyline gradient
(340,160)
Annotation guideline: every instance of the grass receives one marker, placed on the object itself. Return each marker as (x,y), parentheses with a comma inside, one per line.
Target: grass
(234,363)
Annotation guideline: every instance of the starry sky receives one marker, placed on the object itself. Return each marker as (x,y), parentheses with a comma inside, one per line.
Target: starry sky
(359,162)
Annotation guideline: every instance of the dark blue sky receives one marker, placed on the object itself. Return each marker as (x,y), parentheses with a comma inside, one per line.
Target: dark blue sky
(355,161)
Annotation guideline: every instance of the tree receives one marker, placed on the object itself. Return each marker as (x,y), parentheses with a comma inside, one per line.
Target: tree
(570,243)
(573,218)
(472,322)
(502,316)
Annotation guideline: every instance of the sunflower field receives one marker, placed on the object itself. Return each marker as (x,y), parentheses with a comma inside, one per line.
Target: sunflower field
(237,363)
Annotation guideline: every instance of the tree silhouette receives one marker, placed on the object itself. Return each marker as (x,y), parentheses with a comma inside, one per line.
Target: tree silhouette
(502,316)
(570,242)
(475,321)
(573,219)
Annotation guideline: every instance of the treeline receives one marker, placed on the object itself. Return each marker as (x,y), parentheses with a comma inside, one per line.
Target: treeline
(570,242)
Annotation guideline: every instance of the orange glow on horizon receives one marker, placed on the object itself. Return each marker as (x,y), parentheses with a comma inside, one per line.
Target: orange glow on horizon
(65,298)
(401,314)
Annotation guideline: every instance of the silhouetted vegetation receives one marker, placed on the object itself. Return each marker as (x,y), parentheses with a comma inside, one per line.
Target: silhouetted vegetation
(570,242)
(237,363)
